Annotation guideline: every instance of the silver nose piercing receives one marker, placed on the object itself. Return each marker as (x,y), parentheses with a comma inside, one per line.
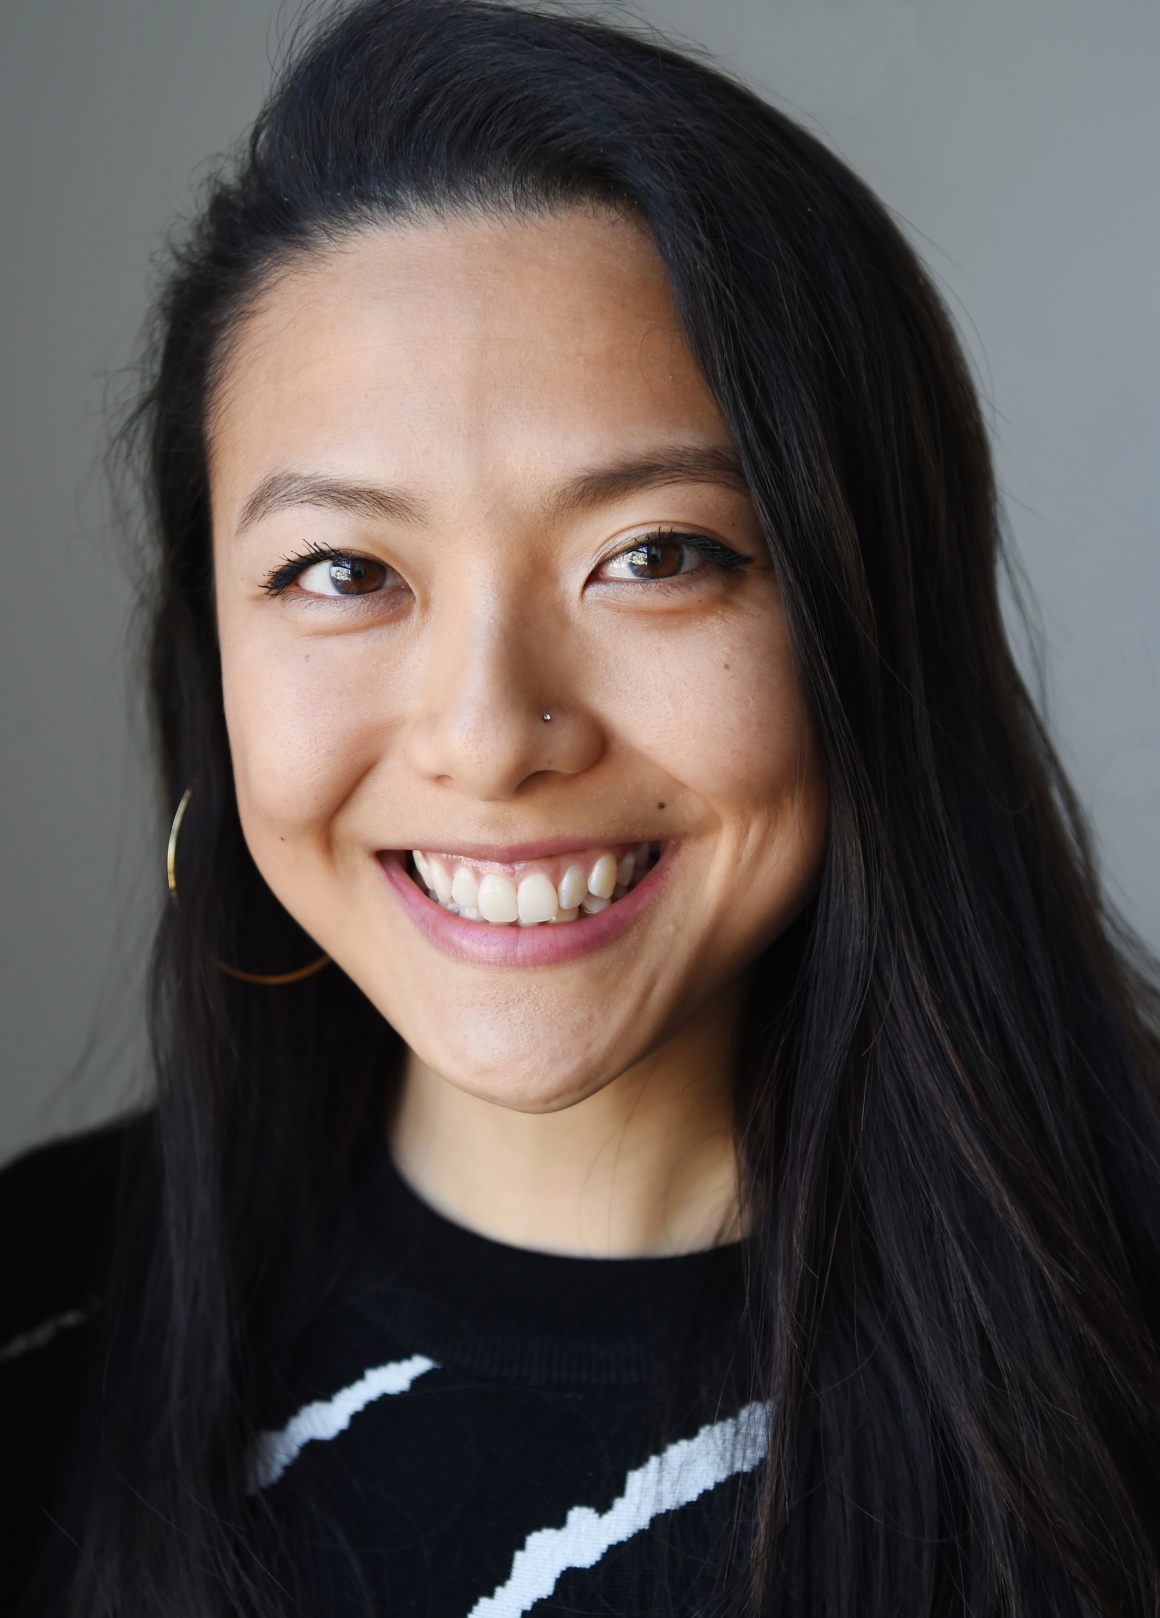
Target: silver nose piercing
(546,717)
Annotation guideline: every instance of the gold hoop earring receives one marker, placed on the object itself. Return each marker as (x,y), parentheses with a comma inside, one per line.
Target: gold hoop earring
(271,980)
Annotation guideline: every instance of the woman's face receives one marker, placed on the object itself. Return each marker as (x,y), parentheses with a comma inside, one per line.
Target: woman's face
(465,475)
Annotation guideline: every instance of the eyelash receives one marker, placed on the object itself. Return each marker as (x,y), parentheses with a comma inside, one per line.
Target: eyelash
(723,556)
(712,549)
(284,576)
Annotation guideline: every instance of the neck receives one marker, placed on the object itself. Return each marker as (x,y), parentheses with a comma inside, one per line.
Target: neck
(647,1165)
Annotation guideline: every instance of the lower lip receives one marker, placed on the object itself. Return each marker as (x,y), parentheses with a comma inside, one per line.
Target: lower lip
(483,944)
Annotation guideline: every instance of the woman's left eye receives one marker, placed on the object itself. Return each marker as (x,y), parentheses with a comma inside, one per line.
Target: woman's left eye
(667,556)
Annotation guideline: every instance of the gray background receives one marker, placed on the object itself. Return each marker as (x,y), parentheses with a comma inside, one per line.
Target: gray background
(1018,140)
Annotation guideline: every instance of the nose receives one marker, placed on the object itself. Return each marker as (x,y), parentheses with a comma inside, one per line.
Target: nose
(497,706)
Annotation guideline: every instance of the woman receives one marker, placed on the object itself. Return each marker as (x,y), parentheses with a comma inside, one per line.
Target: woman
(649,1116)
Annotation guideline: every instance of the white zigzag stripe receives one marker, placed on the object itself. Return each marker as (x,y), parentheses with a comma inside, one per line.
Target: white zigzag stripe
(326,1418)
(678,1475)
(42,1334)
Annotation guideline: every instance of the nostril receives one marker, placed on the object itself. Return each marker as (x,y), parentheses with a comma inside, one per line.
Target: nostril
(489,750)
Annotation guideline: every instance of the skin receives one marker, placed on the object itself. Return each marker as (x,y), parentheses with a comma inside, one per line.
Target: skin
(475,370)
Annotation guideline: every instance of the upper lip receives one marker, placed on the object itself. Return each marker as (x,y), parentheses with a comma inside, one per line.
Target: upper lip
(516,853)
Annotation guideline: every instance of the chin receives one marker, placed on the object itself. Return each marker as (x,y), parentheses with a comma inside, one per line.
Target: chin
(523,1076)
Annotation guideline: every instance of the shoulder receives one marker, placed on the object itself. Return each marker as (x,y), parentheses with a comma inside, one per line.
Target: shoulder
(57,1206)
(57,1211)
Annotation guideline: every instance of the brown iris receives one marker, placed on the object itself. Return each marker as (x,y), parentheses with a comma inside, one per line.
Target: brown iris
(356,575)
(657,559)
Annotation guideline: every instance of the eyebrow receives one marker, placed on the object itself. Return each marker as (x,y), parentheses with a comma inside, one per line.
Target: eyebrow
(677,463)
(283,489)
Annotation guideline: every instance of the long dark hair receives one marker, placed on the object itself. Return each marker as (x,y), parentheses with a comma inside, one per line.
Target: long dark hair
(948,1093)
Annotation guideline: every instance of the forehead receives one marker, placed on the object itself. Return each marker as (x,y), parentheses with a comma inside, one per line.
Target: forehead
(462,347)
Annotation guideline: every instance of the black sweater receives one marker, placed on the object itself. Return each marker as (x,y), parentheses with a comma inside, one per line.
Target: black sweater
(465,1428)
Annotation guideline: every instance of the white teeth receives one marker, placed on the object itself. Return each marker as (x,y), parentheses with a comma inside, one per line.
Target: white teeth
(573,887)
(440,881)
(465,888)
(536,900)
(497,899)
(602,877)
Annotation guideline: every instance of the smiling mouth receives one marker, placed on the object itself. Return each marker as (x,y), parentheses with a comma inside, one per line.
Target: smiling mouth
(532,893)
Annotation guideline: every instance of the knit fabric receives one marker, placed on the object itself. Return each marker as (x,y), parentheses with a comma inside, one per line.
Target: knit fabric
(464,1430)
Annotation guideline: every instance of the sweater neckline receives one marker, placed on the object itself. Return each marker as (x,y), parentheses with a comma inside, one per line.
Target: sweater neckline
(467,1300)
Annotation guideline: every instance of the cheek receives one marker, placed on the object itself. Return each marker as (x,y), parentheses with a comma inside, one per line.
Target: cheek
(723,717)
(721,712)
(305,721)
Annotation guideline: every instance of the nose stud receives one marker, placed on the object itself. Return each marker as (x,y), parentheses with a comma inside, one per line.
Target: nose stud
(546,717)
